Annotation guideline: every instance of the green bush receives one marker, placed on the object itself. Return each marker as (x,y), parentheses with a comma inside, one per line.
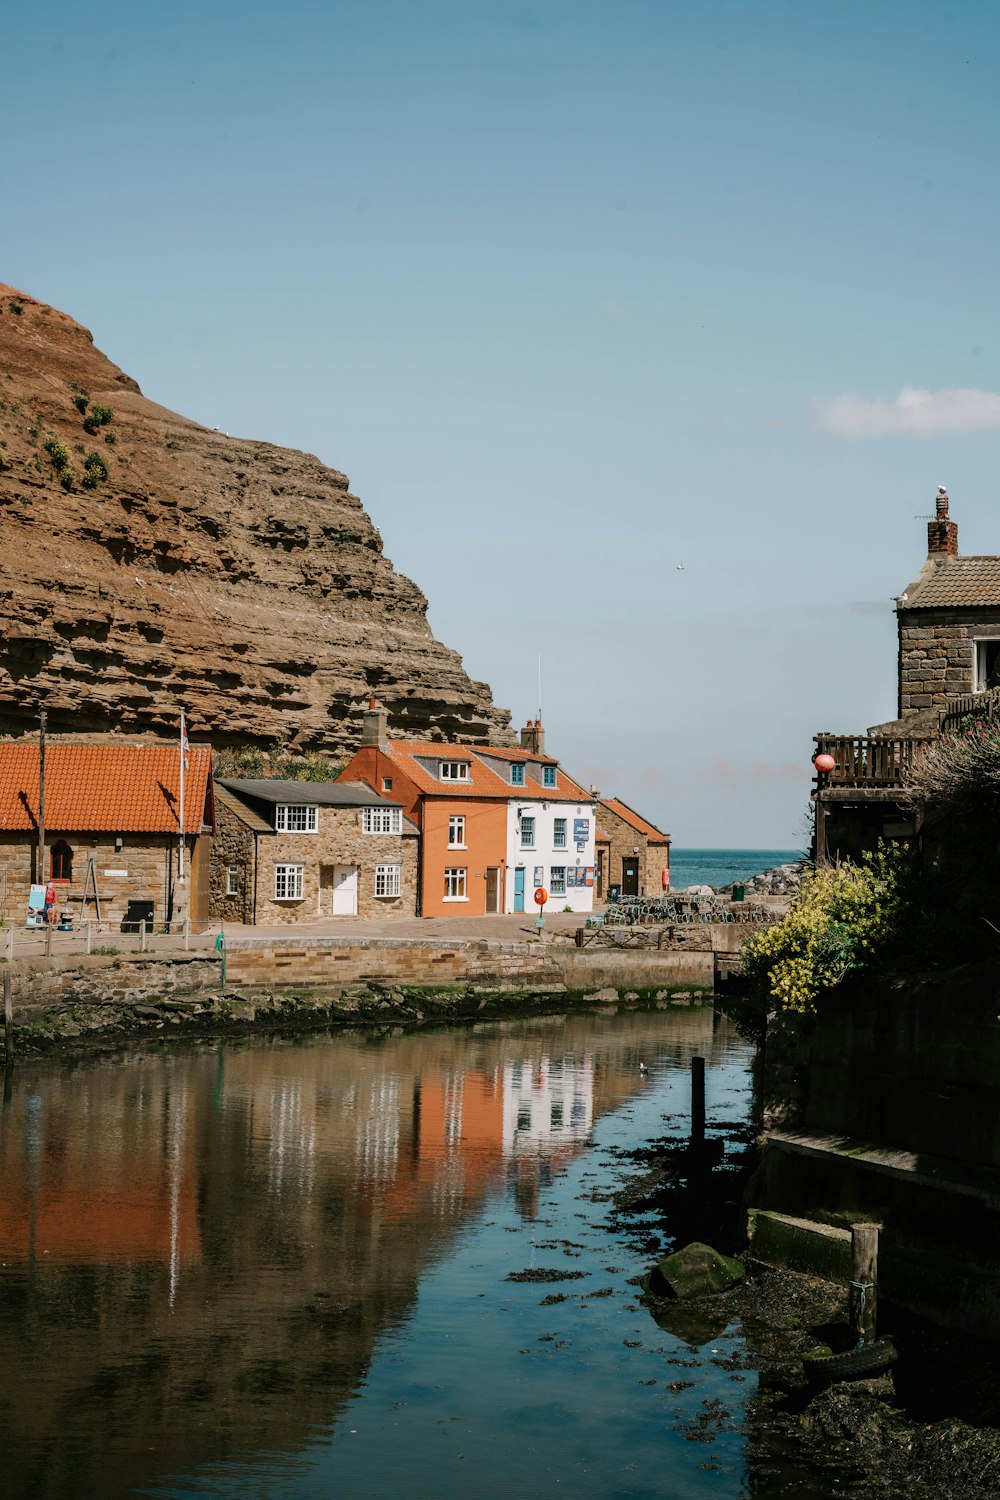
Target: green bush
(80,402)
(59,454)
(110,437)
(842,919)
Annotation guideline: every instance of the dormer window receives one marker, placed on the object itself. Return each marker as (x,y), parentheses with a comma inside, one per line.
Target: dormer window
(453,770)
(548,776)
(293,818)
(517,775)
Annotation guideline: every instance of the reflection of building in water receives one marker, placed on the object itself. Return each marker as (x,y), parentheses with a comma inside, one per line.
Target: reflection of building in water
(257,1216)
(547,1103)
(377,1144)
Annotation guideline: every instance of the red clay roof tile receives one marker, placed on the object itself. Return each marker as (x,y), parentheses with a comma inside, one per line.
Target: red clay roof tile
(103,788)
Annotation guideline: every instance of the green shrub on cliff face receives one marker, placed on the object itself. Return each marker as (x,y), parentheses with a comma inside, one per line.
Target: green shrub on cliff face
(253,763)
(841,919)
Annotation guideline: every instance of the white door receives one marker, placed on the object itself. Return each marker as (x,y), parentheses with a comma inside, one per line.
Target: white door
(345,890)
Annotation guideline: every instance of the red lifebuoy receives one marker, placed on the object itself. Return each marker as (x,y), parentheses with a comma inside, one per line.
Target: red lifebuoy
(541,896)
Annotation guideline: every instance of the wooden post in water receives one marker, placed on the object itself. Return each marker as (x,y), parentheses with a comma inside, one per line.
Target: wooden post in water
(864,1280)
(697,1101)
(8,1019)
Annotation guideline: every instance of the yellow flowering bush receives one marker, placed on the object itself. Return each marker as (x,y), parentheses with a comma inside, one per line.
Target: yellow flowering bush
(840,919)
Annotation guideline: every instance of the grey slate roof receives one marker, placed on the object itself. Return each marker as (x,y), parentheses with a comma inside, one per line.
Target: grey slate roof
(225,798)
(308,793)
(955,583)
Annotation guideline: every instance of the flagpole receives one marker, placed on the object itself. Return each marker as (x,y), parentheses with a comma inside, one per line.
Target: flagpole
(183,747)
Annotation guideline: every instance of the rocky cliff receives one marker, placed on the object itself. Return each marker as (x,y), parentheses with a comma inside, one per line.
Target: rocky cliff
(149,564)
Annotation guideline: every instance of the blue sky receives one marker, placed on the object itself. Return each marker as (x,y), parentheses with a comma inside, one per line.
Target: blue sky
(563,288)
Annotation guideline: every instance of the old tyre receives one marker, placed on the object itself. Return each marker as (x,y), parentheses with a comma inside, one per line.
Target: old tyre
(868,1359)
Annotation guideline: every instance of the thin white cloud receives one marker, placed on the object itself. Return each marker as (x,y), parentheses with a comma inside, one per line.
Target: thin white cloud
(914,413)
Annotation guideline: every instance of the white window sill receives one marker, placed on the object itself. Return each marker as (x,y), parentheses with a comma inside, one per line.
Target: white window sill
(231,895)
(456,898)
(528,848)
(458,846)
(288,898)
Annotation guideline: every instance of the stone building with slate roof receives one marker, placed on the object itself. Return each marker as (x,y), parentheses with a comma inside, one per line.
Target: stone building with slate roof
(299,851)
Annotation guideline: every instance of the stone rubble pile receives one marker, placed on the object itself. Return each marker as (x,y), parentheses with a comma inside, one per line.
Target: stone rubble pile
(782,881)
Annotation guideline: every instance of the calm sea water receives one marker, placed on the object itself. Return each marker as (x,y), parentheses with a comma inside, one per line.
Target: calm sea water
(279,1270)
(722,866)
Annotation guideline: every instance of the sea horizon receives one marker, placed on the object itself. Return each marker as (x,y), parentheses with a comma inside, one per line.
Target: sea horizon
(719,866)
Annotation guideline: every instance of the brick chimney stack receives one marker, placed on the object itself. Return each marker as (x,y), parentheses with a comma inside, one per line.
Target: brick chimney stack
(375,725)
(942,533)
(533,737)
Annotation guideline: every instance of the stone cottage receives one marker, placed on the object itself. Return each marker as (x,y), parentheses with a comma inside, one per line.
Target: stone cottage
(112,829)
(948,665)
(631,851)
(299,851)
(949,626)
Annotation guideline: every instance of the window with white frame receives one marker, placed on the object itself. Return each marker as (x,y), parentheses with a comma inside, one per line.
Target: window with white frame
(456,832)
(548,776)
(288,882)
(382,820)
(233,880)
(557,880)
(517,775)
(291,817)
(527,832)
(386,880)
(453,770)
(387,783)
(559,833)
(987,665)
(454,884)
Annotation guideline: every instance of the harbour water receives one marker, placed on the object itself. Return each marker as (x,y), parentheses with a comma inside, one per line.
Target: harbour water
(359,1265)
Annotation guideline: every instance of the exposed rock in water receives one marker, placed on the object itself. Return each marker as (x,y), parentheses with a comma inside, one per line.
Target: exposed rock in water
(148,562)
(695,1271)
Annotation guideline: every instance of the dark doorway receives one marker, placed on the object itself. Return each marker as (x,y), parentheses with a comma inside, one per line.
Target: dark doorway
(630,877)
(599,875)
(492,888)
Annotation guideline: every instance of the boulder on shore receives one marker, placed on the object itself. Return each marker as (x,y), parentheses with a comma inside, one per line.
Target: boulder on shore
(695,1271)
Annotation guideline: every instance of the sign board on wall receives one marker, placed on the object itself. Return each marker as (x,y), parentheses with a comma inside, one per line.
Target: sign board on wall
(581,830)
(539,875)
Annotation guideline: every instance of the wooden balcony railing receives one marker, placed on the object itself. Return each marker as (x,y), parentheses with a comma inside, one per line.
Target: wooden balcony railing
(869,760)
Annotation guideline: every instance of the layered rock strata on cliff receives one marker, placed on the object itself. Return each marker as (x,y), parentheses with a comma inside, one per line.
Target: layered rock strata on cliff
(149,563)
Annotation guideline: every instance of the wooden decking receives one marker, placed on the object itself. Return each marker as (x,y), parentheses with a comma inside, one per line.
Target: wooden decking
(869,761)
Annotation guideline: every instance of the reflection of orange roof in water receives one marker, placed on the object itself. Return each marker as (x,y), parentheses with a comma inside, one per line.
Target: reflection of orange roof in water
(75,1228)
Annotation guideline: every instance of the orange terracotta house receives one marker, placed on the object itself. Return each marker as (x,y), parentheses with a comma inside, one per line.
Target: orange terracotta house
(460,808)
(495,821)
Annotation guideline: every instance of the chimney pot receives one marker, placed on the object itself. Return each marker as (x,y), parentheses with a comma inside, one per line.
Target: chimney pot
(375,725)
(942,532)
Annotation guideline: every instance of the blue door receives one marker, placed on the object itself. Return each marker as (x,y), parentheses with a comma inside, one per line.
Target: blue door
(519,888)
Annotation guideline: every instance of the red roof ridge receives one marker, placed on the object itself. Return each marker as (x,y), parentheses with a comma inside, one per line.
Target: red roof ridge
(632,817)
